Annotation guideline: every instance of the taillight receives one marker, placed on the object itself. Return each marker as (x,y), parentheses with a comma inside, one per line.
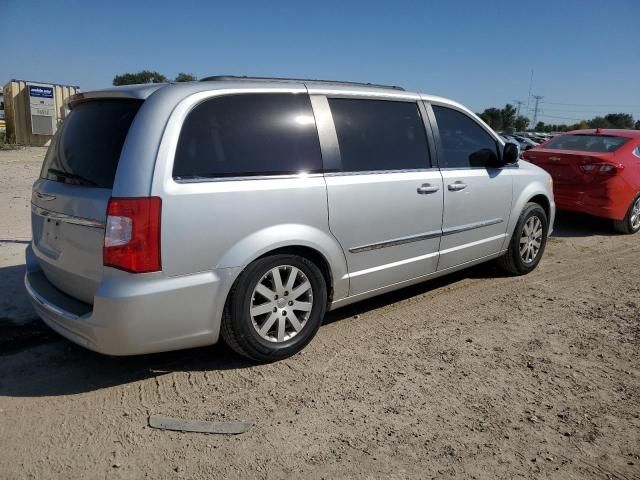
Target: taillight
(601,168)
(132,234)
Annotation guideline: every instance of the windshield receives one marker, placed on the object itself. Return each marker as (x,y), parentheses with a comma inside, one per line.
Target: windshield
(586,143)
(86,149)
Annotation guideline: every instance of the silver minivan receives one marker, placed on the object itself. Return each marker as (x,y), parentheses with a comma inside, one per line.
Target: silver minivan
(168,215)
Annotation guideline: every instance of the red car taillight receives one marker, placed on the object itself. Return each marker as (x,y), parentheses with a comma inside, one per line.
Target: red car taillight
(132,234)
(601,168)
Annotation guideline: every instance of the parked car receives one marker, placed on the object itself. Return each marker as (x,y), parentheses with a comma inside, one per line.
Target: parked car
(526,143)
(510,139)
(168,215)
(595,172)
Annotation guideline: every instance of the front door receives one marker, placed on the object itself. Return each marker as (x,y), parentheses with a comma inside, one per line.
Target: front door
(477,196)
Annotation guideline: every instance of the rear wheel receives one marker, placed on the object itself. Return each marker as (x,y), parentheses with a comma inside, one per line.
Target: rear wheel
(631,221)
(275,308)
(528,241)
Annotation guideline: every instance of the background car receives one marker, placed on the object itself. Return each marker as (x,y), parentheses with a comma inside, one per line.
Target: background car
(595,172)
(526,143)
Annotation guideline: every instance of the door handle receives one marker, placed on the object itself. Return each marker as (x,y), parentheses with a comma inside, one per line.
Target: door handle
(427,188)
(457,186)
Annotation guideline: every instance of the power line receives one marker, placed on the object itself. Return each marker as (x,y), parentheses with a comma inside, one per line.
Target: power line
(563,118)
(580,111)
(592,105)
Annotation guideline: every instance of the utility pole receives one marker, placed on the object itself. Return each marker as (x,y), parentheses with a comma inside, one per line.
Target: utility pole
(536,109)
(529,97)
(519,103)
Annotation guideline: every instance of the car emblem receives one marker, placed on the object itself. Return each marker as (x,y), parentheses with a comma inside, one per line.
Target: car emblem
(555,159)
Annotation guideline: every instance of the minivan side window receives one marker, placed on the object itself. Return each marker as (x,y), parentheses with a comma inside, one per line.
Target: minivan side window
(247,135)
(465,143)
(376,135)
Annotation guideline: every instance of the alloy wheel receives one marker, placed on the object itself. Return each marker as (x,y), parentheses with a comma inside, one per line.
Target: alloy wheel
(531,239)
(634,218)
(281,303)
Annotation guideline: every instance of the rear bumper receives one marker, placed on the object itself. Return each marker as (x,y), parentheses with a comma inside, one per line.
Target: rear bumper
(596,203)
(132,314)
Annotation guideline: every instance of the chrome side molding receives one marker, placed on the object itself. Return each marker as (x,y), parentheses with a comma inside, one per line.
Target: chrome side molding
(396,241)
(425,236)
(471,226)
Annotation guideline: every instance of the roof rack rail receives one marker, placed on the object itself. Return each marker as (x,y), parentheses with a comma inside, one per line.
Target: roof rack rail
(234,78)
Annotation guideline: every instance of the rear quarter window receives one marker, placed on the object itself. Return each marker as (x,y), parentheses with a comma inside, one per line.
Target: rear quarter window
(248,135)
(87,147)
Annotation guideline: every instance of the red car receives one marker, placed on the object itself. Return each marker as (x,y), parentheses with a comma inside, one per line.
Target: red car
(595,172)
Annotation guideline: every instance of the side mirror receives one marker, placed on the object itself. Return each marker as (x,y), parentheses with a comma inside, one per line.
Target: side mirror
(510,153)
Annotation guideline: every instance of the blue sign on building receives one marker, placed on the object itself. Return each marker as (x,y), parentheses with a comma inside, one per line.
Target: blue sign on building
(42,92)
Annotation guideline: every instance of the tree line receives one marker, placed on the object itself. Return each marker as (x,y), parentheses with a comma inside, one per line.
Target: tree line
(146,76)
(504,119)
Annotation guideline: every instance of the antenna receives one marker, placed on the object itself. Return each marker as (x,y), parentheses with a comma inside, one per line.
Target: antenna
(536,109)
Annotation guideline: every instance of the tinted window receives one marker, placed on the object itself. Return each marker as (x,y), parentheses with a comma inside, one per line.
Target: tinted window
(87,147)
(586,143)
(253,134)
(379,135)
(466,144)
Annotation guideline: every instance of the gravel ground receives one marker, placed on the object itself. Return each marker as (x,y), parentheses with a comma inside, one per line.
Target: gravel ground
(476,375)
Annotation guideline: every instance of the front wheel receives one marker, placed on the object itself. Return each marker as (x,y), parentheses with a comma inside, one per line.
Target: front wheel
(528,241)
(275,308)
(631,221)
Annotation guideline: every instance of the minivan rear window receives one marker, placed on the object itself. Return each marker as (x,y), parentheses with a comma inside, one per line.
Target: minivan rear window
(586,143)
(87,147)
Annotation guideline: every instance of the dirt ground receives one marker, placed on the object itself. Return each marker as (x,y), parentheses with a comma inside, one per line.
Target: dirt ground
(476,375)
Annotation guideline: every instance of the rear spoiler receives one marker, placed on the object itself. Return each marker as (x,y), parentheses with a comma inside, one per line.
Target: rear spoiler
(127,92)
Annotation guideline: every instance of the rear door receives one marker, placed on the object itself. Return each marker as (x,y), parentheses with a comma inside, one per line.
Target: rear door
(69,200)
(385,199)
(477,195)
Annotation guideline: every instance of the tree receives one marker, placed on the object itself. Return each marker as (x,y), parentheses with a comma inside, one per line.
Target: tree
(637,127)
(185,77)
(144,76)
(599,122)
(619,120)
(540,126)
(521,123)
(508,114)
(493,118)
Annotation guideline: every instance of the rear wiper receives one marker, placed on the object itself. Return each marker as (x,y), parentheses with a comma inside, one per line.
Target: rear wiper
(72,176)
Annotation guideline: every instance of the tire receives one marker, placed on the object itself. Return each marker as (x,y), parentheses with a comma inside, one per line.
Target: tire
(631,221)
(513,261)
(253,320)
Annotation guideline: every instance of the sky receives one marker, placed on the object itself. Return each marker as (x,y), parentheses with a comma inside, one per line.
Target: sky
(585,55)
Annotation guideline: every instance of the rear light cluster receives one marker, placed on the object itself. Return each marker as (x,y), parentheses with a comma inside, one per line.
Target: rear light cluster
(601,168)
(132,234)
